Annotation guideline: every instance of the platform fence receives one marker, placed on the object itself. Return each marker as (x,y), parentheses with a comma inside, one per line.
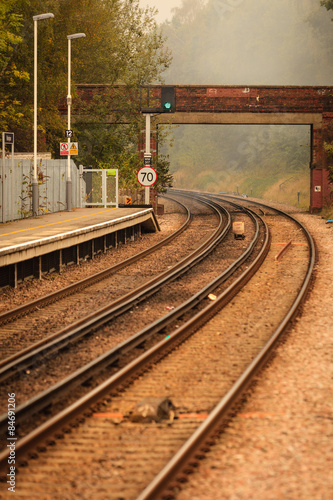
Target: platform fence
(16,187)
(98,187)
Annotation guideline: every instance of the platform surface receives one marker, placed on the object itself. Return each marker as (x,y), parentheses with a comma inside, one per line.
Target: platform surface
(59,225)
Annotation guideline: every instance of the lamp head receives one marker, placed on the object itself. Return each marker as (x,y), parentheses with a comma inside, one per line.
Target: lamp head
(76,35)
(43,16)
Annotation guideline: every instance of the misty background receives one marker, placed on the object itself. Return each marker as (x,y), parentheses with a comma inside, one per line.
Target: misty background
(247,42)
(164,8)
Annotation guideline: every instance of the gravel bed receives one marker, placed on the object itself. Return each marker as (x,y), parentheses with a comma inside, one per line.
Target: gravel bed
(280,444)
(31,289)
(187,367)
(32,381)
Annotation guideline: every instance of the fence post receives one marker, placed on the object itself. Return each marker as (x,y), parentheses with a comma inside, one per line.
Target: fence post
(117,193)
(81,199)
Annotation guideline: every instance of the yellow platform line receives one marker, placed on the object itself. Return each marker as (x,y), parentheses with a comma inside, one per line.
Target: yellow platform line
(54,223)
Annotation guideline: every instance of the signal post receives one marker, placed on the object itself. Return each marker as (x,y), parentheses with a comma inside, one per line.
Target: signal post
(167,105)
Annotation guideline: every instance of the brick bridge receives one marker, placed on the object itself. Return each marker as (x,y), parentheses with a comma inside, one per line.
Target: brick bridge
(279,105)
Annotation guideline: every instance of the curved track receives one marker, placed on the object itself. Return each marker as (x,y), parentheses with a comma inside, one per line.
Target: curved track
(174,338)
(114,355)
(188,457)
(41,302)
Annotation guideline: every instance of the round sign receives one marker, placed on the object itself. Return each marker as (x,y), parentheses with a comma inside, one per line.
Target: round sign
(147,176)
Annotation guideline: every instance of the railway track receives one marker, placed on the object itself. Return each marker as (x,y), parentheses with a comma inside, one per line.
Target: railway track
(111,356)
(148,359)
(13,315)
(120,351)
(113,309)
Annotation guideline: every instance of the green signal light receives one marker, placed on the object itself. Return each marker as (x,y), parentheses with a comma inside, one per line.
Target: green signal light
(167,105)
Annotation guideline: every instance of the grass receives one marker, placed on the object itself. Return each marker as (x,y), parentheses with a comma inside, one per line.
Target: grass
(290,188)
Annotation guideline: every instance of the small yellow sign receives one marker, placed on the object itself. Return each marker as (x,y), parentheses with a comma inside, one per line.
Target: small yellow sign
(74,149)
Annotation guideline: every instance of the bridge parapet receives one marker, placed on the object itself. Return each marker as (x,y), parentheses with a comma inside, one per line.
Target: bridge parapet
(264,99)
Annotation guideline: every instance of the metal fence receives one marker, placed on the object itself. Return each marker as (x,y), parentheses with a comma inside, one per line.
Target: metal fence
(98,187)
(16,183)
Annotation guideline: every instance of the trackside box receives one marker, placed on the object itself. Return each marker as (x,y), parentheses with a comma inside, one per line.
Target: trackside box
(238,230)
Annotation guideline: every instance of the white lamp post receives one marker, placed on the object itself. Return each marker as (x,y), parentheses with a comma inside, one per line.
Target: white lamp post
(69,104)
(35,195)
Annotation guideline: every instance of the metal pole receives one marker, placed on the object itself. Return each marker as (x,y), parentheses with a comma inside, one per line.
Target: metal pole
(12,186)
(3,180)
(81,194)
(117,189)
(147,189)
(35,195)
(69,102)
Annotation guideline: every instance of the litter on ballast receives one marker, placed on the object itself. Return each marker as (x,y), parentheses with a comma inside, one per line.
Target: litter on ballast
(211,296)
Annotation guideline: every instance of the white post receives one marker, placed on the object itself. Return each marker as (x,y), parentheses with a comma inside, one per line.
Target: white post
(117,189)
(69,104)
(147,189)
(3,176)
(81,184)
(35,195)
(104,194)
(12,186)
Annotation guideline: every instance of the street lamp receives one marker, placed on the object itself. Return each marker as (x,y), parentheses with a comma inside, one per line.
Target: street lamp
(69,104)
(35,196)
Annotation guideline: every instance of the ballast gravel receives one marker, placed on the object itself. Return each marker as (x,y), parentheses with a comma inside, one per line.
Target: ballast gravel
(280,445)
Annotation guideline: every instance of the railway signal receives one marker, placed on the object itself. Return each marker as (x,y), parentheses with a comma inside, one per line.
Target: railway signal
(168,99)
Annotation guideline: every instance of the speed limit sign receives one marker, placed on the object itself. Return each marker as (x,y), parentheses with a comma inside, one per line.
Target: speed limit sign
(147,176)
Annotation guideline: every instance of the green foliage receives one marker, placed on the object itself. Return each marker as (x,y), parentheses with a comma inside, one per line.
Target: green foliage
(11,74)
(128,165)
(327,3)
(123,45)
(164,177)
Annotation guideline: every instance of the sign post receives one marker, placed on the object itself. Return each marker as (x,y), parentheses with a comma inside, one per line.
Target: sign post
(147,155)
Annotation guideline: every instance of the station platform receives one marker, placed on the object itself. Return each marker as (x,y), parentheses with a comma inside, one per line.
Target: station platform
(34,246)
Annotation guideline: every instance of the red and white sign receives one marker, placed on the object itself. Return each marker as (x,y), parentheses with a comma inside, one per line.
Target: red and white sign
(71,148)
(147,176)
(64,149)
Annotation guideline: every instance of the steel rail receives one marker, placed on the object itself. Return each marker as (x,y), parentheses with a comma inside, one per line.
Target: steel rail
(151,356)
(24,309)
(59,340)
(200,438)
(54,393)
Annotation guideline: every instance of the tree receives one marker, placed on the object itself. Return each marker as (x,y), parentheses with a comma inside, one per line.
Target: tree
(11,108)
(123,46)
(328,4)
